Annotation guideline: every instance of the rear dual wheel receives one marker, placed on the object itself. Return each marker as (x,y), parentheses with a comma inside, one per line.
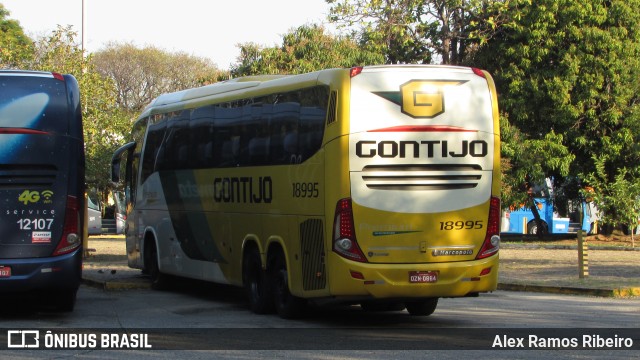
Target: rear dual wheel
(287,305)
(269,290)
(256,284)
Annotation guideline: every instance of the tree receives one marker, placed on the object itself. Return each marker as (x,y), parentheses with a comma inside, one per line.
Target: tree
(422,31)
(104,124)
(304,49)
(570,68)
(140,75)
(15,46)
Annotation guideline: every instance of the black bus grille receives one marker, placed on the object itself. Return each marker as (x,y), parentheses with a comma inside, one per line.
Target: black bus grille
(314,275)
(422,177)
(26,176)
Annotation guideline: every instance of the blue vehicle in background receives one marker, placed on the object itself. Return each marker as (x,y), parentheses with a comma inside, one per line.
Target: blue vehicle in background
(523,221)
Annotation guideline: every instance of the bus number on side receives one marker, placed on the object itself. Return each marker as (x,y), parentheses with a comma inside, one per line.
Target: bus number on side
(305,190)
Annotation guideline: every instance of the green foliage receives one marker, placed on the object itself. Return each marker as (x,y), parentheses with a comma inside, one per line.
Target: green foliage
(104,124)
(305,49)
(15,46)
(422,31)
(615,199)
(529,161)
(570,68)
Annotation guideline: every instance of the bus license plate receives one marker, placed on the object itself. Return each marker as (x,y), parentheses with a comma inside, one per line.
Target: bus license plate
(423,277)
(5,271)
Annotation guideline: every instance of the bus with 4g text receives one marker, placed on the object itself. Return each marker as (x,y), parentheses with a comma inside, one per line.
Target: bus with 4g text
(42,187)
(374,185)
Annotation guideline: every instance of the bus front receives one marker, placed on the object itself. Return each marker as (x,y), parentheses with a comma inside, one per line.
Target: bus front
(417,217)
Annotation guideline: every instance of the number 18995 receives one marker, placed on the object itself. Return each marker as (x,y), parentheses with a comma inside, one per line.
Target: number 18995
(461,225)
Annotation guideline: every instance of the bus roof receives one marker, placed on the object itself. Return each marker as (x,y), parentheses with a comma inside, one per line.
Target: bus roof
(181,99)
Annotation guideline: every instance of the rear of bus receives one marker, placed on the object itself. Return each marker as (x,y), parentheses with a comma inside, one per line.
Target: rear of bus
(41,187)
(417,218)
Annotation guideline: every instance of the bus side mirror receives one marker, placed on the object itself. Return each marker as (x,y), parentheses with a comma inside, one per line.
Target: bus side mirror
(115,172)
(116,159)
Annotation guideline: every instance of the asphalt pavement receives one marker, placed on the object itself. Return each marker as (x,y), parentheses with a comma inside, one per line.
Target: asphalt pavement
(610,272)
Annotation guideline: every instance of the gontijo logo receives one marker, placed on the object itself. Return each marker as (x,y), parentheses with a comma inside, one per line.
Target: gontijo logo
(420,98)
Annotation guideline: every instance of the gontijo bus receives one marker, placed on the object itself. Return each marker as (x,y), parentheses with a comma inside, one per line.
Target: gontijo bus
(374,185)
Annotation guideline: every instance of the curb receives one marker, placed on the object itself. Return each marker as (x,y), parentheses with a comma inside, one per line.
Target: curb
(117,284)
(564,290)
(615,293)
(564,247)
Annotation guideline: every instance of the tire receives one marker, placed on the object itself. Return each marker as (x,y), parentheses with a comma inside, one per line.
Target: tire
(532,228)
(255,283)
(422,307)
(287,306)
(159,281)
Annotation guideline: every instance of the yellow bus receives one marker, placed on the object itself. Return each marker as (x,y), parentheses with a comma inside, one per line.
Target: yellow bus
(374,185)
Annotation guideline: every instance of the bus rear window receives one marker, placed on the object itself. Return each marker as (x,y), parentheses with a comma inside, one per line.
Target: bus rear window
(33,102)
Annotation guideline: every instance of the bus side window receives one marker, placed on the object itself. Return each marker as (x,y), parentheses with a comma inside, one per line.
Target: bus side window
(286,117)
(155,135)
(314,102)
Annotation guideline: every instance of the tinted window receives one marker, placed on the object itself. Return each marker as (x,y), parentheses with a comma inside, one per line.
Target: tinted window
(152,153)
(282,128)
(33,102)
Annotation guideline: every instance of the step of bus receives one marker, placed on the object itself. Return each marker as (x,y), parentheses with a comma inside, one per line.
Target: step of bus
(109,226)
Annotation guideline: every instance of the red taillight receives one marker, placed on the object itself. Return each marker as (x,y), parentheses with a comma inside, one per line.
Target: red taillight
(344,234)
(70,233)
(355,71)
(491,243)
(58,76)
(478,72)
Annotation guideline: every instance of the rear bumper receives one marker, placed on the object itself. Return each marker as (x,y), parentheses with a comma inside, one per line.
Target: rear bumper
(51,273)
(387,281)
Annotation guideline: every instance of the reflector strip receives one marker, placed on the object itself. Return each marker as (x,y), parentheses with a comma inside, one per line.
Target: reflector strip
(22,131)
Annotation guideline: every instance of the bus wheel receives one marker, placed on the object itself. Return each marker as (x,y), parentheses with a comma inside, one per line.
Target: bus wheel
(159,281)
(255,283)
(532,228)
(287,305)
(422,307)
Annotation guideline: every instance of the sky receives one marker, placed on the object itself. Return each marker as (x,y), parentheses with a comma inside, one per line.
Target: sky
(204,28)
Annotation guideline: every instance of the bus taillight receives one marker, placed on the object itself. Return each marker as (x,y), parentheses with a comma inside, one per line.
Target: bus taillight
(355,71)
(491,243)
(478,72)
(344,234)
(70,238)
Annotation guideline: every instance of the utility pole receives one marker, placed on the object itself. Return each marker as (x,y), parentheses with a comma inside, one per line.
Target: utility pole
(83,28)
